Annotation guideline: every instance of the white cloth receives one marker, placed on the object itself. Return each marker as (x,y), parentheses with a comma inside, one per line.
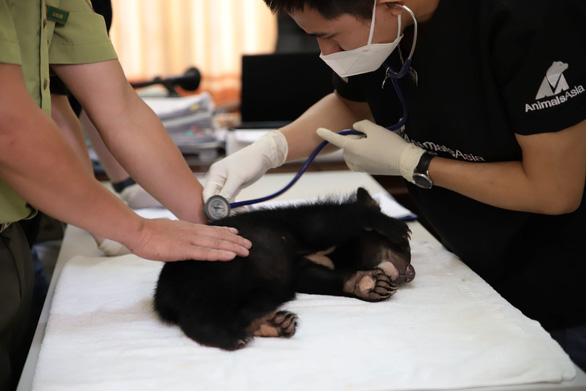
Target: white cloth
(446,329)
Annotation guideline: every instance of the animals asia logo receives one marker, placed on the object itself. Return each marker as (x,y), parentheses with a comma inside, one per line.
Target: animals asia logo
(554,89)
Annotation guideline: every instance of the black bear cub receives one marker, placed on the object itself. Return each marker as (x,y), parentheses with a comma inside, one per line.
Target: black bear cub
(342,248)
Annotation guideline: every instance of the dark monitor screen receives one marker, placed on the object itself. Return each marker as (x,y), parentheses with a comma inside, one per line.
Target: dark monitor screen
(280,87)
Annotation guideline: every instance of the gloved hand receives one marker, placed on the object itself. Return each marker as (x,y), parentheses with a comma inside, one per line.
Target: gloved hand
(380,152)
(112,248)
(137,198)
(242,168)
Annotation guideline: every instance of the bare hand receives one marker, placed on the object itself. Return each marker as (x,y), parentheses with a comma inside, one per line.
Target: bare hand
(172,240)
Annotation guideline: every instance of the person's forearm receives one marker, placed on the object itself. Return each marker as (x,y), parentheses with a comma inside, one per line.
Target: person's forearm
(145,149)
(330,112)
(38,164)
(502,184)
(113,169)
(550,178)
(67,121)
(136,136)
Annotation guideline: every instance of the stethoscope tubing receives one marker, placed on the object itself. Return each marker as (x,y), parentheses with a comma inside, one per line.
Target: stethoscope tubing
(301,171)
(394,80)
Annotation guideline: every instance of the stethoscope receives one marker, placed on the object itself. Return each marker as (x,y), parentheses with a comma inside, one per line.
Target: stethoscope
(217,207)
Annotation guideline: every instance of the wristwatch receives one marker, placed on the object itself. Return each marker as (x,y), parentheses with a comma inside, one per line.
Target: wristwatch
(421,174)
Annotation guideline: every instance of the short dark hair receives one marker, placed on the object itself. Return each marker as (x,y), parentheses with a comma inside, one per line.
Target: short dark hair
(329,9)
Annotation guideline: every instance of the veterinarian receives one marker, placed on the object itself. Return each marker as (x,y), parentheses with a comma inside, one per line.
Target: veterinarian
(494,146)
(38,170)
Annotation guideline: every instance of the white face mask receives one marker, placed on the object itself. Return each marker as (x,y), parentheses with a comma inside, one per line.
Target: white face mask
(363,59)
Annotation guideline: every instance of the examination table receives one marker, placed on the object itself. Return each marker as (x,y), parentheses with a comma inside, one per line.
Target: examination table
(447,329)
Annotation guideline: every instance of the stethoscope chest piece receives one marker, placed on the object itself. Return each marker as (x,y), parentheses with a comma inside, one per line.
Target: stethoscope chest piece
(216,208)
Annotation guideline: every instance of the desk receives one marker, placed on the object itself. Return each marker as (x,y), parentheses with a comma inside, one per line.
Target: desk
(404,352)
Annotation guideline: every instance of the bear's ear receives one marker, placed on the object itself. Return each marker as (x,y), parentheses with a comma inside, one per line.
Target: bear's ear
(364,198)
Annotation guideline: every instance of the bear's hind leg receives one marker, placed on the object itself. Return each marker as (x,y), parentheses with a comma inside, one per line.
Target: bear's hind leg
(230,324)
(275,324)
(211,329)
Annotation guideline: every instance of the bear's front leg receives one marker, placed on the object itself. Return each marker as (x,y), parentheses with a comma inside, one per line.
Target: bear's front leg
(370,285)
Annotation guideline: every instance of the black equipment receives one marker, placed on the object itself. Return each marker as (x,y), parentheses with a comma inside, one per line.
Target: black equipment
(188,81)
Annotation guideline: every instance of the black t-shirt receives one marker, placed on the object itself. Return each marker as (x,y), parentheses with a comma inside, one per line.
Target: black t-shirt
(487,70)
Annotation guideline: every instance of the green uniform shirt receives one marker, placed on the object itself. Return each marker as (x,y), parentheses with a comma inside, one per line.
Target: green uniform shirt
(34,34)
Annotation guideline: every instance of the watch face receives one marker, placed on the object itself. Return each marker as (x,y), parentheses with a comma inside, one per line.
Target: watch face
(422,181)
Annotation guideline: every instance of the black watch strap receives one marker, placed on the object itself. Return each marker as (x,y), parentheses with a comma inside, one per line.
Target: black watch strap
(423,165)
(421,174)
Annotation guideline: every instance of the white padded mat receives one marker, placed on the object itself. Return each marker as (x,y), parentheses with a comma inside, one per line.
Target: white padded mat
(446,329)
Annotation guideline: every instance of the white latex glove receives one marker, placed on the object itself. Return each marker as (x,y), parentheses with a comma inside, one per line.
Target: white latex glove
(137,198)
(112,248)
(242,168)
(381,151)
